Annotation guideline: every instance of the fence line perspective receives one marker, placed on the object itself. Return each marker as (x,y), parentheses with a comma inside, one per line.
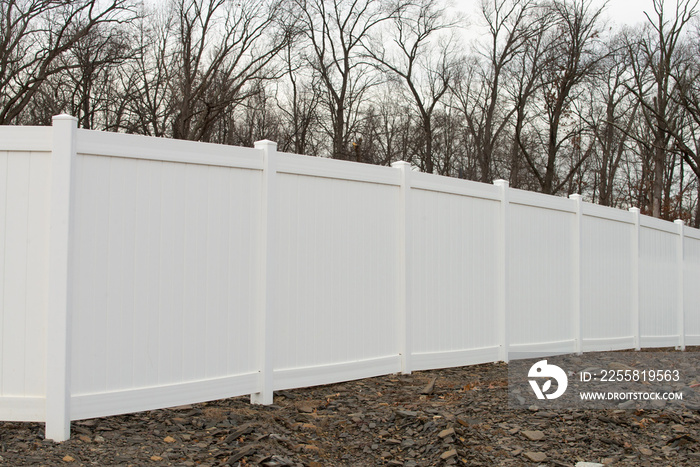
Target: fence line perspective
(139,273)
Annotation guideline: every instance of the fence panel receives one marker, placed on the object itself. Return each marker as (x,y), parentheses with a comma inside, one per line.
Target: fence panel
(658,281)
(165,282)
(541,274)
(691,291)
(24,209)
(606,289)
(452,275)
(335,291)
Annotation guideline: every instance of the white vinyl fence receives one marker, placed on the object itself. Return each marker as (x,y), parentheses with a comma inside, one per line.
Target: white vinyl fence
(138,273)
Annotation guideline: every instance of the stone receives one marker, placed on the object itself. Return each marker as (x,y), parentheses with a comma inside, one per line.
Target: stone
(589,464)
(533,435)
(169,439)
(630,404)
(646,451)
(445,433)
(535,456)
(427,390)
(156,458)
(448,454)
(68,459)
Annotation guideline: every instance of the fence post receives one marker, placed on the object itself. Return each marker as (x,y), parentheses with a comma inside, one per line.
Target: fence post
(59,300)
(404,320)
(681,304)
(635,280)
(266,272)
(578,239)
(503,290)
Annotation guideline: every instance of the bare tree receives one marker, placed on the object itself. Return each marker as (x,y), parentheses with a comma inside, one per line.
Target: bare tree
(220,49)
(335,30)
(570,59)
(480,94)
(35,33)
(299,102)
(611,115)
(423,54)
(653,56)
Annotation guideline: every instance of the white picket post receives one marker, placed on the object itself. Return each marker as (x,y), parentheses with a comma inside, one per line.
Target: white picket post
(403,314)
(59,300)
(681,266)
(266,273)
(635,280)
(577,276)
(503,288)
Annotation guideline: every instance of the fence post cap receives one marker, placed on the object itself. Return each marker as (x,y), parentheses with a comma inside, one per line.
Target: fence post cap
(576,197)
(679,222)
(265,143)
(64,117)
(634,210)
(501,182)
(401,164)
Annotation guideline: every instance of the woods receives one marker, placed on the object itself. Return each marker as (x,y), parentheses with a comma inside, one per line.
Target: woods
(544,94)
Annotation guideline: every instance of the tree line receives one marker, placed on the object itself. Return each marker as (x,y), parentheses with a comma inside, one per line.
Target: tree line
(543,93)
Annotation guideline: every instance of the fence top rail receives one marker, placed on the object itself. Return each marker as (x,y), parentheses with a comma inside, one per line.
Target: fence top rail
(25,138)
(657,224)
(691,232)
(455,186)
(323,167)
(607,213)
(100,143)
(539,200)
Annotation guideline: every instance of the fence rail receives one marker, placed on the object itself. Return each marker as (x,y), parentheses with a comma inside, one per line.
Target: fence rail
(138,273)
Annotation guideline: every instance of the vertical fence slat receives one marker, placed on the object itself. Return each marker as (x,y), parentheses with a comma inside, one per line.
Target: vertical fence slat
(680,281)
(503,287)
(266,272)
(577,276)
(404,321)
(58,326)
(634,244)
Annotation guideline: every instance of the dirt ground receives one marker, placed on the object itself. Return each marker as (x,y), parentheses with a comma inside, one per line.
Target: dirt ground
(464,420)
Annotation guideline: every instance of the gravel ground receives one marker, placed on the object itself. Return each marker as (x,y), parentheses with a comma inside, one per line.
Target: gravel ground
(464,420)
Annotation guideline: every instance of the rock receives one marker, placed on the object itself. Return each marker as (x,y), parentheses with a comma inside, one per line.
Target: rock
(533,408)
(407,413)
(427,390)
(630,404)
(448,454)
(156,458)
(589,464)
(535,456)
(645,451)
(240,454)
(306,408)
(68,459)
(169,439)
(679,428)
(533,435)
(445,433)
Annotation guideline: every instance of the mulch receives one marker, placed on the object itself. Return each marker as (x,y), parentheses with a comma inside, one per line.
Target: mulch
(463,419)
